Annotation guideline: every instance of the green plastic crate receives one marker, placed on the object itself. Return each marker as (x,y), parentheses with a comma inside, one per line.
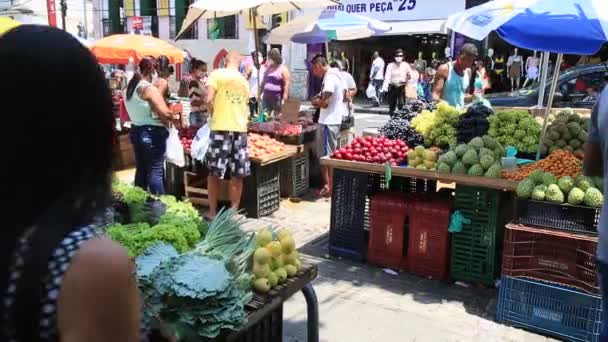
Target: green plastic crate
(477,250)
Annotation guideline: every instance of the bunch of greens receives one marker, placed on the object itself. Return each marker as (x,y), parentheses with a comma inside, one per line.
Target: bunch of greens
(137,237)
(136,199)
(201,292)
(194,295)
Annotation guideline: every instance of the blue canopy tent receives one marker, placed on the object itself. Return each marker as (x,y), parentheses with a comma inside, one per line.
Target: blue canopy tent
(562,27)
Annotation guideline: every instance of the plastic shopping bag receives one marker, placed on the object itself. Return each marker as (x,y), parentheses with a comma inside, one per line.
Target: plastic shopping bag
(370,92)
(200,144)
(175,150)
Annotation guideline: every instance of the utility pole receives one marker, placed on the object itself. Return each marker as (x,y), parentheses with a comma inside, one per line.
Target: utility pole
(64,9)
(85,32)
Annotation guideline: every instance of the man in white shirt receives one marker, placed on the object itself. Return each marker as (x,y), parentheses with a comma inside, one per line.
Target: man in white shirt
(349,83)
(398,73)
(376,76)
(331,103)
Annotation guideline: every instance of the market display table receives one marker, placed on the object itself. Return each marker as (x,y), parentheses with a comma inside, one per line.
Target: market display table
(492,183)
(289,152)
(265,318)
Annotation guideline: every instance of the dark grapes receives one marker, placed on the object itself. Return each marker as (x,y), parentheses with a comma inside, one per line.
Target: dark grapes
(473,123)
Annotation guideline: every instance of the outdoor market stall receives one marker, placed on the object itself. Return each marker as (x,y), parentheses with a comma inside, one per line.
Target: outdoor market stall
(441,193)
(233,282)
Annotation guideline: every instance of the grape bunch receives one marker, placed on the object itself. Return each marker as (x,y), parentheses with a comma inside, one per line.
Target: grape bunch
(399,128)
(473,123)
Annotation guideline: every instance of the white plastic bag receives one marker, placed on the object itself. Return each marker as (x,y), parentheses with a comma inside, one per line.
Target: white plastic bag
(200,143)
(370,92)
(175,150)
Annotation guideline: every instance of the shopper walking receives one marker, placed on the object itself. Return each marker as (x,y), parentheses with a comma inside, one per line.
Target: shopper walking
(228,96)
(596,164)
(149,118)
(60,279)
(332,108)
(376,77)
(452,79)
(275,84)
(397,75)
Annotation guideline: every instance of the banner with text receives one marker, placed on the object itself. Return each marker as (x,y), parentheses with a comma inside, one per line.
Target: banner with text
(401,10)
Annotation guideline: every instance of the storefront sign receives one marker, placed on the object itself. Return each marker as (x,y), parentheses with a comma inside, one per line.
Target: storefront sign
(401,10)
(137,23)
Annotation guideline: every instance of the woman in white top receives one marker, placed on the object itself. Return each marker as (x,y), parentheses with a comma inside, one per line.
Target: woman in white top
(398,73)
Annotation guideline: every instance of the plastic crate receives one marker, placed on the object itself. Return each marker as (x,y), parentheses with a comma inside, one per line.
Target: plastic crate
(476,250)
(387,231)
(574,218)
(549,309)
(295,176)
(428,251)
(553,256)
(262,191)
(347,236)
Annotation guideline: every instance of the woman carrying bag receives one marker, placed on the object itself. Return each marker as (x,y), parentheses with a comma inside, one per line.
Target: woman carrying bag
(150,116)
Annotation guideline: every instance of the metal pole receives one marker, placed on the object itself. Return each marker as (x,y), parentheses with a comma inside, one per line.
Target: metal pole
(558,63)
(85,32)
(312,306)
(64,9)
(254,18)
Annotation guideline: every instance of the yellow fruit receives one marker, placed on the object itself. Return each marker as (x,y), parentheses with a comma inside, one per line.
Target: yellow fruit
(298,264)
(261,285)
(274,248)
(260,271)
(273,279)
(288,244)
(276,263)
(263,237)
(282,274)
(291,270)
(261,256)
(290,258)
(283,233)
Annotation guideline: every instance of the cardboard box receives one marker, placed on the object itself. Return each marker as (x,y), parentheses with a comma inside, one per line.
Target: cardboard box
(290,111)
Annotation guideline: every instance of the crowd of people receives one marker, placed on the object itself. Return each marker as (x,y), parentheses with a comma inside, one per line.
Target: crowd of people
(399,81)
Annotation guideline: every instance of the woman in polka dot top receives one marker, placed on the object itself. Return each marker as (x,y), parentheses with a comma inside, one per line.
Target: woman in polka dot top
(61,281)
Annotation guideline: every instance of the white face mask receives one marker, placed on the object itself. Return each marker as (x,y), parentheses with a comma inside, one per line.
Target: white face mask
(398,59)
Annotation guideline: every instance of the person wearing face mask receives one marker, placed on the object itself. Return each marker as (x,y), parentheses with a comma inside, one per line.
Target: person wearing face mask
(275,84)
(197,92)
(397,75)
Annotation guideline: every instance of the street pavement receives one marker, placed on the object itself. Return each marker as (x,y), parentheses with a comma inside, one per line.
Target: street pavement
(362,303)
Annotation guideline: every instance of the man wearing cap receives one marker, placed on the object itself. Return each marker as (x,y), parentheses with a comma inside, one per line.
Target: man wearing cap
(398,72)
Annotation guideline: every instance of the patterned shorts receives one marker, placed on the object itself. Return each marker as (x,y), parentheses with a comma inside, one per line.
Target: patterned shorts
(228,150)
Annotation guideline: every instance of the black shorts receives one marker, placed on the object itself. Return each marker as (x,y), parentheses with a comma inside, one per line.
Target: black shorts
(228,150)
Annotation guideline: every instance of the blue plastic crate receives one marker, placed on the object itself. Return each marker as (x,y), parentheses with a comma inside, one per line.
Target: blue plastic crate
(549,309)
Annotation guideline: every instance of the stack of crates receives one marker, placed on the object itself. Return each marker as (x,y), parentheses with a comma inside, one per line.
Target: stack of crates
(476,250)
(549,280)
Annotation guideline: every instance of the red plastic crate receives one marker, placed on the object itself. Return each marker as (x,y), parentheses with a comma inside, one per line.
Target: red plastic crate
(558,257)
(387,244)
(428,251)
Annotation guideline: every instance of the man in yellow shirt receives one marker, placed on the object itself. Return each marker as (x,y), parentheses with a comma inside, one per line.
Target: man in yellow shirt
(228,99)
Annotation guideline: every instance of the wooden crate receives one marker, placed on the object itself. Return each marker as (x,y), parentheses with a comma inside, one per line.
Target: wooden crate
(195,188)
(124,156)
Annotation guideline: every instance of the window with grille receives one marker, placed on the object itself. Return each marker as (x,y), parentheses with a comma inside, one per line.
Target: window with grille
(223,28)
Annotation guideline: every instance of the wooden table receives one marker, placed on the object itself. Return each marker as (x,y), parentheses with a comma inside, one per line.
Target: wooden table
(492,183)
(290,151)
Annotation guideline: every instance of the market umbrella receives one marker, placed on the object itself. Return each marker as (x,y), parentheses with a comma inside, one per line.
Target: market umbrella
(119,48)
(326,26)
(209,9)
(7,23)
(564,26)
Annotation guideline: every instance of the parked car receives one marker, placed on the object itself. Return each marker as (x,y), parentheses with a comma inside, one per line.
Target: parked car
(572,89)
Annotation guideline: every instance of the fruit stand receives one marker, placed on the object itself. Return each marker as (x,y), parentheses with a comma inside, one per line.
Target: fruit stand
(458,196)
